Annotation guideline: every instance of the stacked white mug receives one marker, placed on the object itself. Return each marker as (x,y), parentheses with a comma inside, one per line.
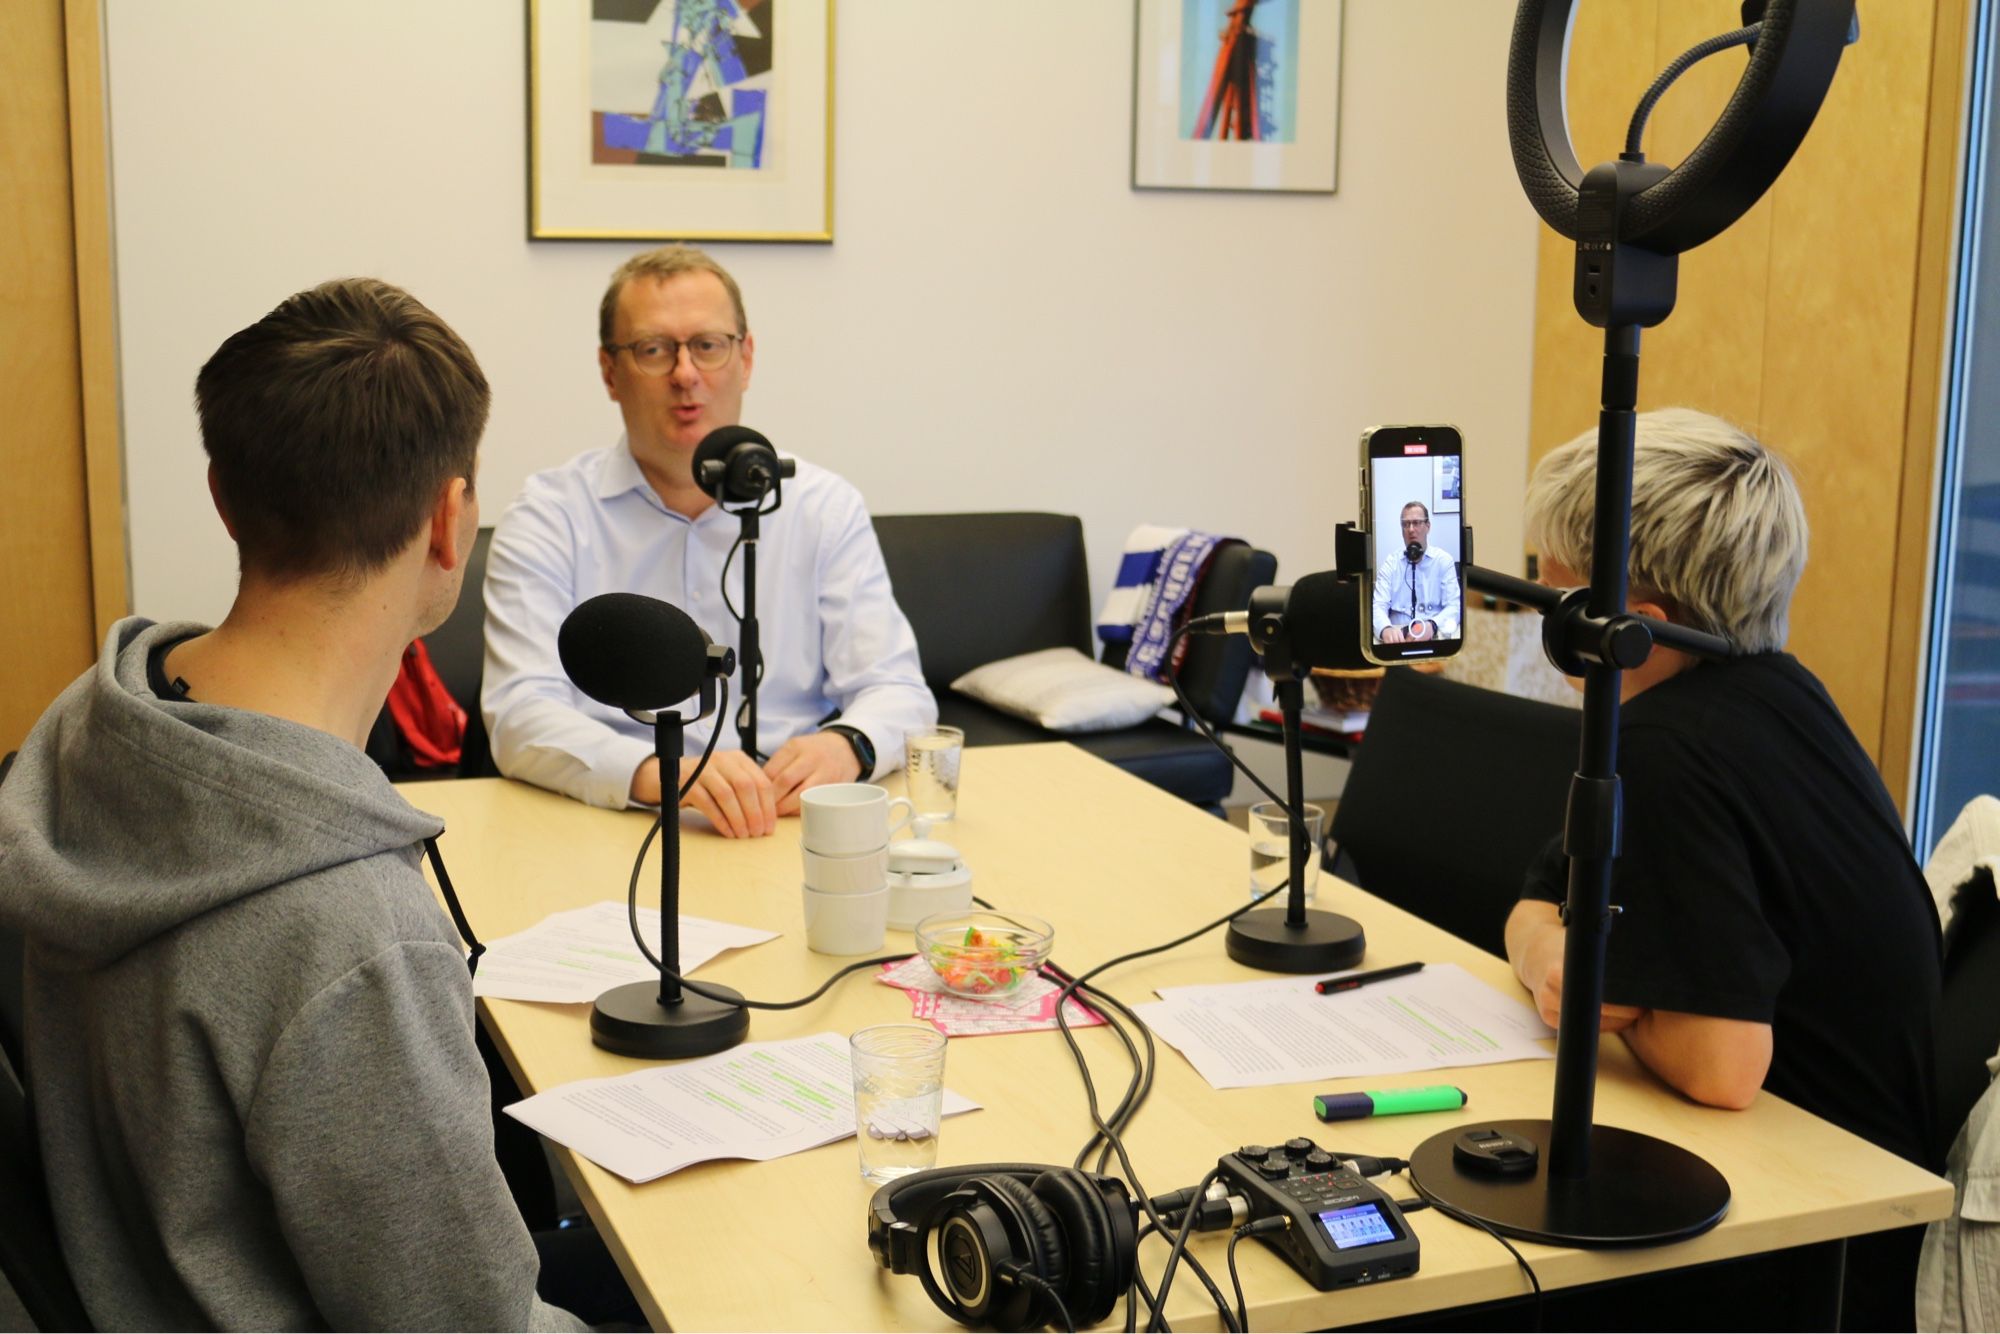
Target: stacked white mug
(844,833)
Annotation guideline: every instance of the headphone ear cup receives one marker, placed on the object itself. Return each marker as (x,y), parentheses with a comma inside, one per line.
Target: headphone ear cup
(1042,1236)
(1075,1201)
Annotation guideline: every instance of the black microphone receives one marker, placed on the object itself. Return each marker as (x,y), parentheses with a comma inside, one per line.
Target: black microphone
(633,652)
(1414,552)
(646,656)
(737,465)
(1317,615)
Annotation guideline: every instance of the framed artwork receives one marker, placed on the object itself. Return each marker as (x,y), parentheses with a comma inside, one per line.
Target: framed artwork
(1236,95)
(680,119)
(1446,483)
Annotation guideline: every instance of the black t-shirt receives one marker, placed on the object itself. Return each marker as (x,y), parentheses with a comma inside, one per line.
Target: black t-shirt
(1765,876)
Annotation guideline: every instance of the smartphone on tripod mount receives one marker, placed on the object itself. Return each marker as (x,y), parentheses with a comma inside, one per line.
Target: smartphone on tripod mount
(1413,504)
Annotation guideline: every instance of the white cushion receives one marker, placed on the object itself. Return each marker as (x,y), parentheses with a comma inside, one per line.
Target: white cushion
(1065,691)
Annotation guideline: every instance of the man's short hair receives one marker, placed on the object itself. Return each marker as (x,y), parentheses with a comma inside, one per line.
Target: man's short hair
(333,422)
(666,262)
(1718,528)
(1420,505)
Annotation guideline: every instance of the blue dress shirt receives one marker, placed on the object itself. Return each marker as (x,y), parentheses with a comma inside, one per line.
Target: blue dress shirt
(833,636)
(1435,588)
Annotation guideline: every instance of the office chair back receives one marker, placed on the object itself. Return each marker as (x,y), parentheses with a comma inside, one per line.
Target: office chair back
(1968,1025)
(981,587)
(458,653)
(1453,792)
(13,976)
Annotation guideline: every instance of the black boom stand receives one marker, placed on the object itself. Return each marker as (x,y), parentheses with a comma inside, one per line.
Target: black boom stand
(749,649)
(1630,219)
(660,1021)
(738,467)
(1294,938)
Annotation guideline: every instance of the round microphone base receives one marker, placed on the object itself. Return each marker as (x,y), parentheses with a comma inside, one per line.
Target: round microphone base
(1326,943)
(1640,1191)
(631,1021)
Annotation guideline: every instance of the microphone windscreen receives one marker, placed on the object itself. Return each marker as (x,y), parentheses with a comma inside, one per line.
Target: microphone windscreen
(1324,619)
(715,447)
(632,652)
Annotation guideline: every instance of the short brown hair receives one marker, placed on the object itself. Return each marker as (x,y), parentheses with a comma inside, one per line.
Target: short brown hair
(666,262)
(333,422)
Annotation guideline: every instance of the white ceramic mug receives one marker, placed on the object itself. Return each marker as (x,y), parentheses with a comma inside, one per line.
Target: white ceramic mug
(862,874)
(846,923)
(848,819)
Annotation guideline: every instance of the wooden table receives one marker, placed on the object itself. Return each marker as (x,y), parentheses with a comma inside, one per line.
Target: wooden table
(1115,864)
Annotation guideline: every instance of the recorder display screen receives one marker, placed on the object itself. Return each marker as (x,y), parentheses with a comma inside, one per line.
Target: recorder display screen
(1361,1225)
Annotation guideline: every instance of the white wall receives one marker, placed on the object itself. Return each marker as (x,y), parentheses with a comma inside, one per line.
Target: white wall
(1002,322)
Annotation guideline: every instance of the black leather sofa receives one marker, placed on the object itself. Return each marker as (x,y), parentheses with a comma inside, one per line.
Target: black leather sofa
(981,587)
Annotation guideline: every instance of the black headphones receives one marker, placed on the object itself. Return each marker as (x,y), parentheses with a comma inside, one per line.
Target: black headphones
(1007,1235)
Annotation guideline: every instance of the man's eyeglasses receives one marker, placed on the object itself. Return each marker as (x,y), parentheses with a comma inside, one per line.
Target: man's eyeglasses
(657,356)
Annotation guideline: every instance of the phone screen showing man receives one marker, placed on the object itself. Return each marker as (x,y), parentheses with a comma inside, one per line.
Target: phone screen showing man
(1418,606)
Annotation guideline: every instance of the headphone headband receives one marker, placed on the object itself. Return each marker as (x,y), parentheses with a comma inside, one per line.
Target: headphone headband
(896,1211)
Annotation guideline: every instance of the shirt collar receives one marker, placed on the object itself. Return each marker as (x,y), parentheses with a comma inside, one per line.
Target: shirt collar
(619,472)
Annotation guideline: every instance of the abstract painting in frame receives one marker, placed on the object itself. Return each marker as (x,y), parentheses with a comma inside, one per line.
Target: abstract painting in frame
(680,119)
(1236,95)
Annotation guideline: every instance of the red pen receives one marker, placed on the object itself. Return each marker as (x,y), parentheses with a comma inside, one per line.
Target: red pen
(1327,986)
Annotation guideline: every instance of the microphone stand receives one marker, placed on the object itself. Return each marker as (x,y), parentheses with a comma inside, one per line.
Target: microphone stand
(662,1021)
(749,649)
(763,486)
(1294,938)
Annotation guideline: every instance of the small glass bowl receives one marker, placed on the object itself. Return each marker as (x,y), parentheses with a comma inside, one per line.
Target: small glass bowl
(980,954)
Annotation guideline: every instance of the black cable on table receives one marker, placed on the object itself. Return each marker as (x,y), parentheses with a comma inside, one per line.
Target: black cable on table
(632,897)
(1236,1281)
(1141,1290)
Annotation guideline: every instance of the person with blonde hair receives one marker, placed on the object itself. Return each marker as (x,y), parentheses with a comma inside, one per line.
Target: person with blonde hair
(840,685)
(1773,930)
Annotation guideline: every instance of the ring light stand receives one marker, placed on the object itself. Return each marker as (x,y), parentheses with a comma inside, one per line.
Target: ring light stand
(1599,1185)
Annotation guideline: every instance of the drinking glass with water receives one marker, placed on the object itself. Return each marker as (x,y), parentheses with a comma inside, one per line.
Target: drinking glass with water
(1271,849)
(932,759)
(898,1098)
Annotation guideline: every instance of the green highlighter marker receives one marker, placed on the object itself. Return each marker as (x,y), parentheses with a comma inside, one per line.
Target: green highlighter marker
(1392,1102)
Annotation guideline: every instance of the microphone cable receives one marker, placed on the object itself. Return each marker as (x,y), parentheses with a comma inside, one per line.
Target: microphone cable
(1520,1260)
(753,672)
(1193,715)
(1108,1131)
(632,900)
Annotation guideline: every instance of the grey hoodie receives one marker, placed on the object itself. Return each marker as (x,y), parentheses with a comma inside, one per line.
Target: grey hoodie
(249,1026)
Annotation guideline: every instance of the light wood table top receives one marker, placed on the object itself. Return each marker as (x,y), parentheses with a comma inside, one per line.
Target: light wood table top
(1116,864)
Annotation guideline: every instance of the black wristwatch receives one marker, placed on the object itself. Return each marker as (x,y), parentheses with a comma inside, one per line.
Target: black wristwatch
(864,749)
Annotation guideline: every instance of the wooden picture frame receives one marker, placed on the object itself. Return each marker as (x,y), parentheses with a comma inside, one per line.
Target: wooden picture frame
(680,119)
(1236,95)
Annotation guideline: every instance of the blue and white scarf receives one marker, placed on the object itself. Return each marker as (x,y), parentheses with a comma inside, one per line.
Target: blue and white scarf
(1157,578)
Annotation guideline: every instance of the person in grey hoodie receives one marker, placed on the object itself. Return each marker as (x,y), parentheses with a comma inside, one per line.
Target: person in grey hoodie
(249,1027)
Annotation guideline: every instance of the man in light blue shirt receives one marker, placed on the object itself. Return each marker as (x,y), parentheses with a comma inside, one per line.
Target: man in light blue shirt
(1416,600)
(676,355)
